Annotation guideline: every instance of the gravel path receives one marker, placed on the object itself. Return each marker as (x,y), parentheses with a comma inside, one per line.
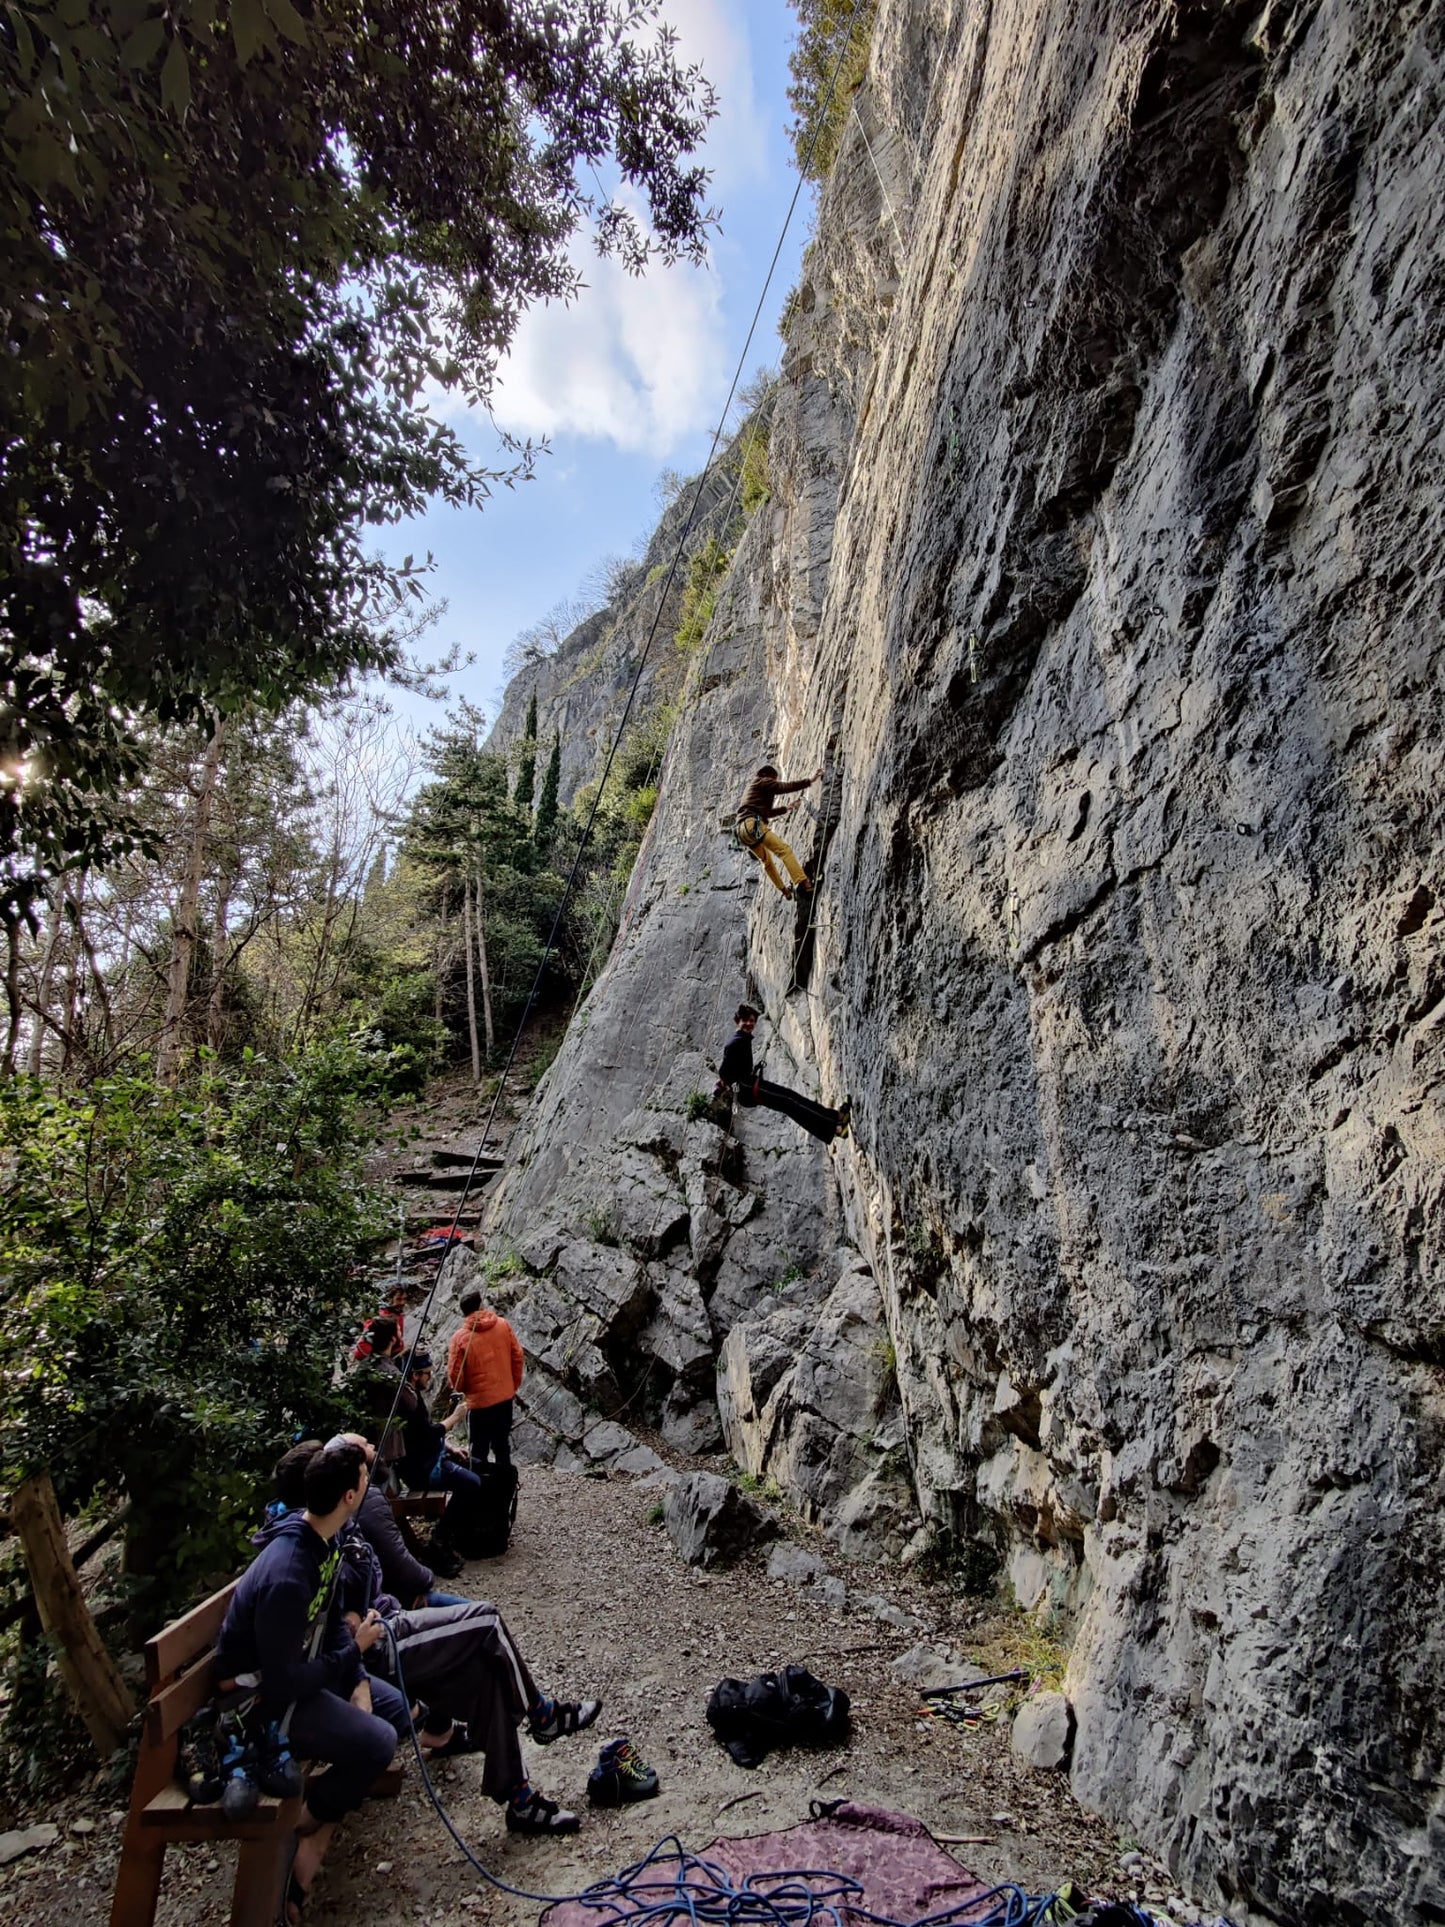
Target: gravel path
(602,1605)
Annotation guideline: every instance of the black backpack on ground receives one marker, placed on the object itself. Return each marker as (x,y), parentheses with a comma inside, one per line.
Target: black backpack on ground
(790,1708)
(485,1534)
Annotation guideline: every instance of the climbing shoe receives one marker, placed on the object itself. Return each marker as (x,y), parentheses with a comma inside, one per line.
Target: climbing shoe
(199,1766)
(271,1766)
(845,1118)
(240,1796)
(621,1775)
(554,1719)
(530,1812)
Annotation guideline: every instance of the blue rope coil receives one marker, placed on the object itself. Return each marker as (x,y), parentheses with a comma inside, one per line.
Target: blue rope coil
(670,1884)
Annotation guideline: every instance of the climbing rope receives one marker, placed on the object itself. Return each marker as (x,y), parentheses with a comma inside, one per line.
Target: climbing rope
(670,1884)
(571,883)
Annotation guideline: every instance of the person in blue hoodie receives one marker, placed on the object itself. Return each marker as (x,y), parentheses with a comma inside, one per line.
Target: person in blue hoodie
(285,1632)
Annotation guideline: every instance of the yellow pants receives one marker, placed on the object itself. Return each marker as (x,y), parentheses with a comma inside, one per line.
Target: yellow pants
(766,847)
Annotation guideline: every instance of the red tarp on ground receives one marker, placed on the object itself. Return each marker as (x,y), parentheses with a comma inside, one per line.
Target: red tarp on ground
(903,1872)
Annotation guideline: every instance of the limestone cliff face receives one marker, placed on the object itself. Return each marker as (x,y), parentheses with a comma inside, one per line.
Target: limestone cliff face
(583,686)
(1103,573)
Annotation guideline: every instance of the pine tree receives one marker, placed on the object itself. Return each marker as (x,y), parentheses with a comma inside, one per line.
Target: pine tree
(546,824)
(527,767)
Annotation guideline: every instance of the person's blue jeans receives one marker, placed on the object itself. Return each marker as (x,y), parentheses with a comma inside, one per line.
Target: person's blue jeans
(446,1599)
(450,1475)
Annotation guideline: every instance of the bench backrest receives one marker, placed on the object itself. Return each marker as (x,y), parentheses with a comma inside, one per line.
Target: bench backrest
(178,1666)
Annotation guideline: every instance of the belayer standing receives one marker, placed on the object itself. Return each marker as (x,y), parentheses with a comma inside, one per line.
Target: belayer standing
(819,1120)
(758,807)
(484,1367)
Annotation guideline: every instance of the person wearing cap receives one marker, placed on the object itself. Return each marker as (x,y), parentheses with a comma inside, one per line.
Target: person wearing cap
(431,1462)
(758,807)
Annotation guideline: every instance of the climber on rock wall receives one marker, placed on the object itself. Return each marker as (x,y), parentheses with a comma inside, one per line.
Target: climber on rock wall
(759,804)
(819,1120)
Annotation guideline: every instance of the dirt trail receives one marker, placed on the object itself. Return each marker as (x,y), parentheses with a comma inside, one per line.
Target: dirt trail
(601,1604)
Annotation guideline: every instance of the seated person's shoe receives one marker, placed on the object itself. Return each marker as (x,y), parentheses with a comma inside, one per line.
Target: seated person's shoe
(534,1813)
(554,1719)
(621,1775)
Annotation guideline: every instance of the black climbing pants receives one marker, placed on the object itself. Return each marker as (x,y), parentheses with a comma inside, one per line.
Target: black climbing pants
(817,1119)
(490,1427)
(463,1661)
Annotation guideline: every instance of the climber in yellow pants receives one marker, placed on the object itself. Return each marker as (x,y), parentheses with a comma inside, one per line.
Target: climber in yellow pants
(759,804)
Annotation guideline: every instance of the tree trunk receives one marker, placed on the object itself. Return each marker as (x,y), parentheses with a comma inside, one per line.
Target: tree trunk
(486,974)
(36,1057)
(441,960)
(98,1690)
(471,992)
(97,977)
(72,974)
(183,944)
(220,948)
(12,993)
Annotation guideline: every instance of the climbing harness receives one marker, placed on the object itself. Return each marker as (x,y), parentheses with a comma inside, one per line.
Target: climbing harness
(748,832)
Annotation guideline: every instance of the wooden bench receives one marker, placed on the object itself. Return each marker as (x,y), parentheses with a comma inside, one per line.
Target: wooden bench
(416,1505)
(178,1675)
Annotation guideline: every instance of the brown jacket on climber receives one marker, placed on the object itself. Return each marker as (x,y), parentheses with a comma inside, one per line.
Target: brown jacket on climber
(484,1361)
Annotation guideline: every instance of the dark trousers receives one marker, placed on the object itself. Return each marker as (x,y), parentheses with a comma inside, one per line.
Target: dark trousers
(491,1431)
(462,1661)
(816,1119)
(358,1745)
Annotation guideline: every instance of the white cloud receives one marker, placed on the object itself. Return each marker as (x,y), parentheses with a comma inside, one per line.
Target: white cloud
(715,34)
(634,361)
(643,362)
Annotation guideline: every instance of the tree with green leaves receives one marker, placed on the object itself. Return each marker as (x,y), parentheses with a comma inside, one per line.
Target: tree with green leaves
(545,828)
(527,763)
(239,241)
(178,1269)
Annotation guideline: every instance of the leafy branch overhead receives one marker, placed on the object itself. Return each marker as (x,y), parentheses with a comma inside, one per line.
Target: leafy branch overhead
(241,243)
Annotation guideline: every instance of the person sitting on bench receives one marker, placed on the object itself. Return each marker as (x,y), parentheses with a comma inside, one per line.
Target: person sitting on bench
(430,1462)
(284,1629)
(758,807)
(470,1687)
(820,1120)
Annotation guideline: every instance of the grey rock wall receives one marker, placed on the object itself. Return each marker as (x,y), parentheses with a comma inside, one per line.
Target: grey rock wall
(1104,572)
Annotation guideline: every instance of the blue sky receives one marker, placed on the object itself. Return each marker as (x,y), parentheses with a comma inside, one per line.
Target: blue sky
(631,378)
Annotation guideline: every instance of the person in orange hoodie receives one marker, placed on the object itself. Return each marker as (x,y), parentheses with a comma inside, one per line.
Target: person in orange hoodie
(484,1367)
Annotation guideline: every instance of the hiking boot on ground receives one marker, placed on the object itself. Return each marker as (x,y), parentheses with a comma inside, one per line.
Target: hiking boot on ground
(620,1776)
(532,1812)
(554,1719)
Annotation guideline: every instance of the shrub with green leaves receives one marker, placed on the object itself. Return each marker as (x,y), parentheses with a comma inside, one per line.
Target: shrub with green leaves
(699,597)
(178,1269)
(827,30)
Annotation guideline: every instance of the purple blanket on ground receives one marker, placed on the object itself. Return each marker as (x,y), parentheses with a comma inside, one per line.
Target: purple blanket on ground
(902,1871)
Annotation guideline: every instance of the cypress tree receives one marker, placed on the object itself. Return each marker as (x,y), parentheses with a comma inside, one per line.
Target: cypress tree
(546,824)
(527,767)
